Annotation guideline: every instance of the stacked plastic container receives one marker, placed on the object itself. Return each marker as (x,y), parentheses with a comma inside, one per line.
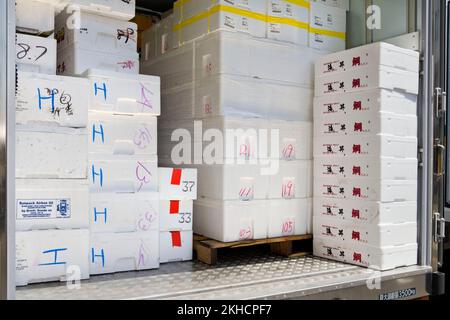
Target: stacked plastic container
(52,223)
(365,147)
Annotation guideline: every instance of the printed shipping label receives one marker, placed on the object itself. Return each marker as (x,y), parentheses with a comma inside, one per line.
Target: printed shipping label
(43,209)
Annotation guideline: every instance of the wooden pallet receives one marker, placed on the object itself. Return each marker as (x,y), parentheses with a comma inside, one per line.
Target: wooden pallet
(207,249)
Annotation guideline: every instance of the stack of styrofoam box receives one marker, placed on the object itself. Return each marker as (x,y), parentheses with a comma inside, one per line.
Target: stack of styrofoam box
(178,190)
(123,171)
(96,34)
(365,208)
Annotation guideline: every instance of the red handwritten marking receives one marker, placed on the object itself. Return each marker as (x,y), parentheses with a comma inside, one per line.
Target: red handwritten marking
(127,64)
(288,190)
(288,151)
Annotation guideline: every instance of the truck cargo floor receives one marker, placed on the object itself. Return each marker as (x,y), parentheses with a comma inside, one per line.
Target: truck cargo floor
(246,276)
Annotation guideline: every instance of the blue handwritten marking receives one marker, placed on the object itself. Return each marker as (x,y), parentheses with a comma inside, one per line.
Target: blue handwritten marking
(101,255)
(98,213)
(102,88)
(51,97)
(97,174)
(95,132)
(55,261)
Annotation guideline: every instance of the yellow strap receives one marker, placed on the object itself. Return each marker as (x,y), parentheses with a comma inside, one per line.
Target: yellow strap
(329,33)
(288,21)
(300,3)
(241,12)
(190,21)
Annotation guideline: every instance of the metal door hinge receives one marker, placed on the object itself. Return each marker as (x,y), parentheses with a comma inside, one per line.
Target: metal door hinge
(440,102)
(439,157)
(439,228)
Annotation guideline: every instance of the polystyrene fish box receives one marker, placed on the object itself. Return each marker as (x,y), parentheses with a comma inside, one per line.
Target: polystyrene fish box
(365,104)
(294,180)
(74,61)
(118,9)
(370,257)
(289,217)
(51,153)
(328,27)
(35,17)
(380,123)
(149,39)
(52,255)
(123,174)
(121,213)
(35,54)
(119,252)
(366,189)
(229,221)
(124,93)
(190,9)
(385,235)
(51,204)
(53,100)
(343,4)
(176,246)
(366,78)
(111,134)
(238,54)
(366,167)
(177,184)
(372,55)
(372,146)
(364,212)
(231,95)
(165,35)
(176,215)
(178,102)
(97,33)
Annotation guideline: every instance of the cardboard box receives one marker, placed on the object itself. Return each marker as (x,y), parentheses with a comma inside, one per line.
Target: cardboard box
(327,27)
(111,134)
(123,174)
(176,246)
(366,167)
(294,180)
(289,217)
(372,55)
(176,215)
(122,213)
(51,204)
(123,10)
(51,153)
(52,255)
(35,17)
(364,212)
(52,100)
(366,256)
(124,93)
(177,184)
(35,54)
(119,252)
(366,189)
(372,146)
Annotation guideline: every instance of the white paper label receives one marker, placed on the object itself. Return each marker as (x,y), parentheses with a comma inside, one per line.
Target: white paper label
(43,209)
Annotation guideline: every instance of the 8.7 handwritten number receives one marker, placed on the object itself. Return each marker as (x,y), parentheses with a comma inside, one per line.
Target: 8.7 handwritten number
(25,49)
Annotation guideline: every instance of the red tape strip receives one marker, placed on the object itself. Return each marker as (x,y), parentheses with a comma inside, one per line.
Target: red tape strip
(174,207)
(176,239)
(176,177)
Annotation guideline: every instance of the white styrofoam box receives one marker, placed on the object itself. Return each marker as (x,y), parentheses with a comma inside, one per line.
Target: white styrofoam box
(51,152)
(176,215)
(328,27)
(231,95)
(96,33)
(48,99)
(239,54)
(376,146)
(118,9)
(294,180)
(35,17)
(372,55)
(366,189)
(191,8)
(177,184)
(76,61)
(288,217)
(366,167)
(370,257)
(123,174)
(367,78)
(111,134)
(178,103)
(229,221)
(165,35)
(176,67)
(124,93)
(35,54)
(149,39)
(343,4)
(365,104)
(363,212)
(295,139)
(51,255)
(51,204)
(176,246)
(178,11)
(122,213)
(376,235)
(119,252)
(366,124)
